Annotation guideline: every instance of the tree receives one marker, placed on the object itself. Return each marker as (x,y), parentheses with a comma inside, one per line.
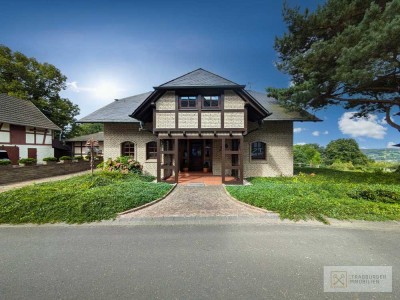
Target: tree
(347,51)
(345,150)
(83,129)
(308,154)
(41,83)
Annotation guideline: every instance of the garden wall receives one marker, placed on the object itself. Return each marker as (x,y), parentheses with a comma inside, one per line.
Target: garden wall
(19,174)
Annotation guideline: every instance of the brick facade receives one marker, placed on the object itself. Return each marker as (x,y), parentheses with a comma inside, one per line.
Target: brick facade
(117,133)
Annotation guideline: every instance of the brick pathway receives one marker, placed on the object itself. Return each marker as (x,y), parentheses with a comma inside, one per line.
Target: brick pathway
(191,201)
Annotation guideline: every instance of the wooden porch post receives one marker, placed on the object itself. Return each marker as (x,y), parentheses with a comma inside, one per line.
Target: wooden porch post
(176,169)
(241,164)
(223,160)
(158,160)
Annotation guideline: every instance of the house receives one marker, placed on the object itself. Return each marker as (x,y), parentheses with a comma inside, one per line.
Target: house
(78,144)
(25,132)
(198,120)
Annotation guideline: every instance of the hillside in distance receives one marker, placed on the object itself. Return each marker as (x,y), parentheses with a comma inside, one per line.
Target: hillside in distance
(388,154)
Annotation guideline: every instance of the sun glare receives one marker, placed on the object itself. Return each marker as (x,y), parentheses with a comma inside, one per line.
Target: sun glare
(107,90)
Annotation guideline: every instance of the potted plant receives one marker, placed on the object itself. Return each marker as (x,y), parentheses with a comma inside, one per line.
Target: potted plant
(205,167)
(5,164)
(50,160)
(27,161)
(65,159)
(77,159)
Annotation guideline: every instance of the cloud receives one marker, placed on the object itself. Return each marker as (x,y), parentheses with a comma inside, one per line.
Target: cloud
(367,127)
(315,133)
(301,144)
(326,132)
(73,86)
(298,129)
(391,145)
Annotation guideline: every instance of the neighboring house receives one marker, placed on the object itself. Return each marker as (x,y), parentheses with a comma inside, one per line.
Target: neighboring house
(24,130)
(78,143)
(201,119)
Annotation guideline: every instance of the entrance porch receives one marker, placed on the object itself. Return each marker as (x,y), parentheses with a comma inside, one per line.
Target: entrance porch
(210,160)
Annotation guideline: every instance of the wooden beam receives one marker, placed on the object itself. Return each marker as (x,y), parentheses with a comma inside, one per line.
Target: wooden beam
(158,160)
(223,160)
(176,146)
(241,165)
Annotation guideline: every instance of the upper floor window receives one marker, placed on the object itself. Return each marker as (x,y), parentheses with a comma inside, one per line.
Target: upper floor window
(187,102)
(211,101)
(128,149)
(258,150)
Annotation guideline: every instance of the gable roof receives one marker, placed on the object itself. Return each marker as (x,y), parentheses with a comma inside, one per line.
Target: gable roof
(98,136)
(199,78)
(117,111)
(280,113)
(23,112)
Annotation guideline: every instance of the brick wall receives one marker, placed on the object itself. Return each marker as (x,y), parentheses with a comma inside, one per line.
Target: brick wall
(19,174)
(278,137)
(117,133)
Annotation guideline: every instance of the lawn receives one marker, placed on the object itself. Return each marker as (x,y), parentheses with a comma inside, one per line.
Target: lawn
(323,193)
(79,199)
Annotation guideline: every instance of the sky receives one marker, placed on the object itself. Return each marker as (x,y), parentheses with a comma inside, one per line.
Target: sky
(116,49)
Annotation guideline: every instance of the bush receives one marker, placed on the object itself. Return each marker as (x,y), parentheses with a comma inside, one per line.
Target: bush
(5,162)
(49,159)
(65,158)
(342,166)
(378,195)
(123,164)
(27,161)
(78,157)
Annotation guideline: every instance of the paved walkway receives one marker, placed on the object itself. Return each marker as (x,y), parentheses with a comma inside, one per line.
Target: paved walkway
(7,187)
(192,201)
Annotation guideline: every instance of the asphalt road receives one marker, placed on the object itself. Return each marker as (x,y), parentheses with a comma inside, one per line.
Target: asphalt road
(242,261)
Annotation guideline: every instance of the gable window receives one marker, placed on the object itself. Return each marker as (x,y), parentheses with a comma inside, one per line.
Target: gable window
(151,150)
(258,150)
(211,101)
(128,149)
(187,102)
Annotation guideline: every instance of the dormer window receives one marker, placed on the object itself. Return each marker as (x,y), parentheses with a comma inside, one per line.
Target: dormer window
(211,102)
(187,102)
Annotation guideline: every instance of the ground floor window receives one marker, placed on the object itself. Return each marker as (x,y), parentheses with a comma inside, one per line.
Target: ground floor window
(128,149)
(151,150)
(258,150)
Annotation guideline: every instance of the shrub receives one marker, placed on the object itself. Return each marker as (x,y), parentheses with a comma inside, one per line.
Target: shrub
(378,195)
(342,166)
(5,162)
(123,164)
(78,157)
(65,158)
(27,161)
(49,159)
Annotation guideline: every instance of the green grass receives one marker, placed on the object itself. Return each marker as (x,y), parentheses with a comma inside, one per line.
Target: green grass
(333,194)
(79,199)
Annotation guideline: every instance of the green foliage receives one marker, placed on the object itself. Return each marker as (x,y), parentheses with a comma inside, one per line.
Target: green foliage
(79,199)
(65,158)
(78,157)
(84,129)
(345,150)
(344,50)
(5,162)
(123,164)
(49,159)
(41,83)
(27,161)
(308,154)
(324,193)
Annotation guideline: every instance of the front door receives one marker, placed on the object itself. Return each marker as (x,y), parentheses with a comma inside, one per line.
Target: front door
(195,155)
(32,153)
